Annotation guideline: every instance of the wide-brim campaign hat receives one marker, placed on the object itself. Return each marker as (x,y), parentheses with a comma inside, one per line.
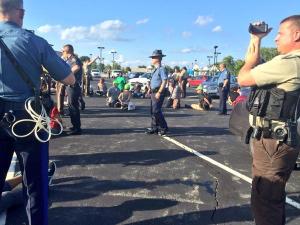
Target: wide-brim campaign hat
(157,53)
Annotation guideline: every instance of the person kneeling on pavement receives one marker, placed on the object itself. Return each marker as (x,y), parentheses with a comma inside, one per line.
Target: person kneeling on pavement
(175,92)
(124,98)
(205,101)
(112,95)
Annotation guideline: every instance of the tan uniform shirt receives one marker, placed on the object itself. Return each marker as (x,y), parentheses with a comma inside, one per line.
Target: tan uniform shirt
(283,70)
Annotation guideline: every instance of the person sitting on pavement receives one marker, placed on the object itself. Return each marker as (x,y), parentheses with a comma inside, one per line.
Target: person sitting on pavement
(12,194)
(175,92)
(112,95)
(205,101)
(147,90)
(102,88)
(233,94)
(137,91)
(120,80)
(124,97)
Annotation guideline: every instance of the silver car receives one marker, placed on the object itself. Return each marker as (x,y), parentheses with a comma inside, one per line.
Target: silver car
(211,85)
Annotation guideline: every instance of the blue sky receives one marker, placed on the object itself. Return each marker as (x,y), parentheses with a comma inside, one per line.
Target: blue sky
(185,30)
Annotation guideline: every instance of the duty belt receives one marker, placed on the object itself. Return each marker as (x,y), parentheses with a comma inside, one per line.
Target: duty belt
(263,122)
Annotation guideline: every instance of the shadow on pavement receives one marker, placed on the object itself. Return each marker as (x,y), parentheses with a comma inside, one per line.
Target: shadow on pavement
(79,188)
(133,158)
(104,215)
(198,131)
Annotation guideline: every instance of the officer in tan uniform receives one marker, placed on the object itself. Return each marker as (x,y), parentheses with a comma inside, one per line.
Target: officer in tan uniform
(274,109)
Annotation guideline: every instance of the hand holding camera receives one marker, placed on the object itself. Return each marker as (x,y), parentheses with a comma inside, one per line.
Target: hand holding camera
(260,29)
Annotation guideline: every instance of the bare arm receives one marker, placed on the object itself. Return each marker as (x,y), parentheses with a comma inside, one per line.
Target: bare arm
(92,61)
(252,59)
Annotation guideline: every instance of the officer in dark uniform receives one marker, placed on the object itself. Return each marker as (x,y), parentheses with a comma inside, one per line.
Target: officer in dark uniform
(224,88)
(32,52)
(274,109)
(157,88)
(74,91)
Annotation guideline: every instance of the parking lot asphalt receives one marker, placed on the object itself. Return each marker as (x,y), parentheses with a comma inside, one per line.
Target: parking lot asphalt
(116,174)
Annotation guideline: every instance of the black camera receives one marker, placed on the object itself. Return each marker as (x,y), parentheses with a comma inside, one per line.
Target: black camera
(258,29)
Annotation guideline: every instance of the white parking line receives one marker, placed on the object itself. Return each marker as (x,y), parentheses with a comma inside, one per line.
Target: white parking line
(223,167)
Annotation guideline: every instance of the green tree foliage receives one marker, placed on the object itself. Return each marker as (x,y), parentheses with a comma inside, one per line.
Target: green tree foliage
(268,53)
(169,69)
(230,63)
(238,65)
(84,58)
(127,69)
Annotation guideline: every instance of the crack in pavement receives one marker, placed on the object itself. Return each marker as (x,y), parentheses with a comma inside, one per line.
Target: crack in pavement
(215,197)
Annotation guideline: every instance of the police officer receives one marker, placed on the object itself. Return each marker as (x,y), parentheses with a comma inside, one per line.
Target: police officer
(224,87)
(74,91)
(32,52)
(157,88)
(272,116)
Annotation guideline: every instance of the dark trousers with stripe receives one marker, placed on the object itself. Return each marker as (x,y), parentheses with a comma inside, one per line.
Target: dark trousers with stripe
(158,120)
(33,159)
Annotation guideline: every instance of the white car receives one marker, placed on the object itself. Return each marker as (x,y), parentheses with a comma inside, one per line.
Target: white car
(143,80)
(115,73)
(95,73)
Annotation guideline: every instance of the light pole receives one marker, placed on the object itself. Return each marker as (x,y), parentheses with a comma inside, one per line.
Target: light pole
(100,59)
(113,60)
(209,57)
(215,55)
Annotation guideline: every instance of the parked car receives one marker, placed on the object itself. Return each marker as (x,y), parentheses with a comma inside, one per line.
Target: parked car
(115,73)
(142,79)
(134,75)
(196,81)
(95,73)
(211,85)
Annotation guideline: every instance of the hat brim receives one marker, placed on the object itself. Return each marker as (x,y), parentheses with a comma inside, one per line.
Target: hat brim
(152,56)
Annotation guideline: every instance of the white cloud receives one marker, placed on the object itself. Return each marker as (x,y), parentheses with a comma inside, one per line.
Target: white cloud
(48,28)
(186,50)
(142,21)
(178,63)
(120,58)
(107,30)
(186,34)
(217,29)
(193,50)
(203,20)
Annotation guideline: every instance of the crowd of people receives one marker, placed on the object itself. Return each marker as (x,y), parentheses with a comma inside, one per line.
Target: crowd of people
(24,53)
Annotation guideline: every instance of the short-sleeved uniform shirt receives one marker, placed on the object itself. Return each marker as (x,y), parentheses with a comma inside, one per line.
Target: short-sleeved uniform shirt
(224,75)
(283,70)
(72,61)
(158,76)
(32,52)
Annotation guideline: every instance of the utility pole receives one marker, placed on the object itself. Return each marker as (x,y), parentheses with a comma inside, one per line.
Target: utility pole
(113,52)
(215,55)
(100,59)
(209,57)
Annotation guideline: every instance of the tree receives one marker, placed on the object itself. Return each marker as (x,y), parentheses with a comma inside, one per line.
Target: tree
(107,68)
(127,69)
(230,64)
(169,70)
(84,58)
(238,65)
(142,66)
(268,53)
